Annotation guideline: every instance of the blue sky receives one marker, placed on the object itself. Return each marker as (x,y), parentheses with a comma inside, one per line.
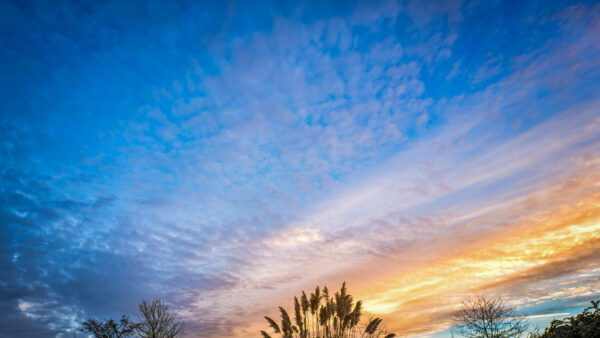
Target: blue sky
(198,152)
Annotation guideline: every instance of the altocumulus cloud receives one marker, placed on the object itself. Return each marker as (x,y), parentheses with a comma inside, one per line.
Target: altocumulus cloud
(206,153)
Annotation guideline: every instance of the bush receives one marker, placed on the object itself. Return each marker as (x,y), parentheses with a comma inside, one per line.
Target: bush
(322,315)
(584,325)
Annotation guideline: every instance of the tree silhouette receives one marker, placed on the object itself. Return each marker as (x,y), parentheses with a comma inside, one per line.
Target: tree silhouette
(488,317)
(158,322)
(325,315)
(110,328)
(584,325)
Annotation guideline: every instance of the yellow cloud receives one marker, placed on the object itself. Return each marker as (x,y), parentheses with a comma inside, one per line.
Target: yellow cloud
(416,298)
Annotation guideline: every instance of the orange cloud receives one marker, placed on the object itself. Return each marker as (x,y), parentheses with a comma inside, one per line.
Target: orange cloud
(411,255)
(420,295)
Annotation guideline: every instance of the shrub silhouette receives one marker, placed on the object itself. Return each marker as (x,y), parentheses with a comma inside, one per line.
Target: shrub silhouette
(328,316)
(156,321)
(583,325)
(110,328)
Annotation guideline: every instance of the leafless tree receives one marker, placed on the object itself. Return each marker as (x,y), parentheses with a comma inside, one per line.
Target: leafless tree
(488,317)
(158,322)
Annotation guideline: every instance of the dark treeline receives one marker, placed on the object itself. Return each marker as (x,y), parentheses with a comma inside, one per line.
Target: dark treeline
(583,325)
(490,317)
(155,321)
(321,314)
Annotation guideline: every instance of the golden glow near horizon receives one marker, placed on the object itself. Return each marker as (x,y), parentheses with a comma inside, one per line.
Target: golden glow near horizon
(537,248)
(411,260)
(433,289)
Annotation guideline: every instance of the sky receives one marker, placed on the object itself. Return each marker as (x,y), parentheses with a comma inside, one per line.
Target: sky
(224,156)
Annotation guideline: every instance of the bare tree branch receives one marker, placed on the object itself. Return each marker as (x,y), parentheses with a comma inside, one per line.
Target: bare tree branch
(158,322)
(488,317)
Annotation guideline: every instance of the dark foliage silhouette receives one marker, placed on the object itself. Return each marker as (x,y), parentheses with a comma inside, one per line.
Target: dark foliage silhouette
(156,321)
(328,316)
(110,328)
(583,325)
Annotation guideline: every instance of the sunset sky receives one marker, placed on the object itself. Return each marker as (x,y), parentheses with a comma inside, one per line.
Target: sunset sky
(224,156)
